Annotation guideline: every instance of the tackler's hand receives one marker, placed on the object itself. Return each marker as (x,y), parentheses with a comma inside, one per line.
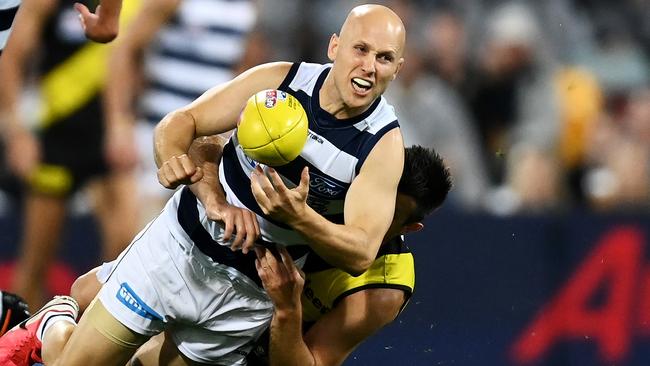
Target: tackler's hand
(238,221)
(177,170)
(281,279)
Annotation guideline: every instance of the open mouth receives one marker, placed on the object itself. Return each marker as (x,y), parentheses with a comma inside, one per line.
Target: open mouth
(361,86)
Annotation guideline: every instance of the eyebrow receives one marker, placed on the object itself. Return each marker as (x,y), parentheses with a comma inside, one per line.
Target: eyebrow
(385,52)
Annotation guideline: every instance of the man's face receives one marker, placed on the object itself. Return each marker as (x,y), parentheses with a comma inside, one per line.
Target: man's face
(404,206)
(367,57)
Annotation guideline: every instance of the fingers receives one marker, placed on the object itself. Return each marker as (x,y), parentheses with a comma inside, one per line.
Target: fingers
(277,182)
(239,234)
(229,226)
(259,194)
(82,9)
(265,183)
(179,170)
(249,221)
(266,260)
(286,258)
(242,224)
(273,264)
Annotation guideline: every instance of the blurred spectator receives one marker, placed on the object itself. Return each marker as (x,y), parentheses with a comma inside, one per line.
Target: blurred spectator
(515,106)
(619,174)
(432,112)
(581,100)
(67,153)
(183,48)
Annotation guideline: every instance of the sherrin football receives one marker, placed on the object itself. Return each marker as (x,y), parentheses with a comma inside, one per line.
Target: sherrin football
(272,129)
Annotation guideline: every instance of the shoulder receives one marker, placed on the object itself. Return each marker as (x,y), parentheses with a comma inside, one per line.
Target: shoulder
(303,76)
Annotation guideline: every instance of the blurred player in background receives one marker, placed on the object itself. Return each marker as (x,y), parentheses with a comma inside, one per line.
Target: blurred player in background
(178,49)
(67,151)
(13,309)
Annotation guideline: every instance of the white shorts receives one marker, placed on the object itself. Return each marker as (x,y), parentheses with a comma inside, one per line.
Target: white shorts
(212,311)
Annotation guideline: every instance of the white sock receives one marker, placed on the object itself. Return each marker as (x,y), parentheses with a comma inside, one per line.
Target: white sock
(51,318)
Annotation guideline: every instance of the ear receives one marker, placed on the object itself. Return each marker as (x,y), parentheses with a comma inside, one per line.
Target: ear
(411,228)
(400,63)
(333,47)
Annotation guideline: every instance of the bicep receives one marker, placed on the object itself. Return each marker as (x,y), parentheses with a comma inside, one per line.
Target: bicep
(355,318)
(150,17)
(218,109)
(370,201)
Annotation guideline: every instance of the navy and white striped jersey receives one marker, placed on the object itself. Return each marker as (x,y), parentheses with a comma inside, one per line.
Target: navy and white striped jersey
(8,9)
(195,51)
(334,152)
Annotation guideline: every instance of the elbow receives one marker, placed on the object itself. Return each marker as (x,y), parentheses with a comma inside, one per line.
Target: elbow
(363,259)
(176,119)
(359,267)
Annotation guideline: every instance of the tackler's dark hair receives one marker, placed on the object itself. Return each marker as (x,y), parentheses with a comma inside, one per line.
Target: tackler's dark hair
(426,179)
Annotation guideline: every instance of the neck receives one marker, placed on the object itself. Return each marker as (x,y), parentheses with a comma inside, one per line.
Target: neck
(330,101)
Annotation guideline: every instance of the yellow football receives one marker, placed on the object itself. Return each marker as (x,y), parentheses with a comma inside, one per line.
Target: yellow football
(272,129)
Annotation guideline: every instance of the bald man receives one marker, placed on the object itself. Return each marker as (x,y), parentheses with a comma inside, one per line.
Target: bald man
(192,277)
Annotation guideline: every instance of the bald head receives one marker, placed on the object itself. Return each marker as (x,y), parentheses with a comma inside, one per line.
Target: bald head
(375,19)
(366,57)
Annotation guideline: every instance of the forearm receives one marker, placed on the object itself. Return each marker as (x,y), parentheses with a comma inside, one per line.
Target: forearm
(343,246)
(287,347)
(120,88)
(173,136)
(206,152)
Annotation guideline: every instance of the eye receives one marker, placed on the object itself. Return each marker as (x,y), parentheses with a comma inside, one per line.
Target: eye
(360,48)
(386,58)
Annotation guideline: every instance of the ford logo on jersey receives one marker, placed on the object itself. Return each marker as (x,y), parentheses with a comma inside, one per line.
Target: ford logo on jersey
(324,187)
(127,296)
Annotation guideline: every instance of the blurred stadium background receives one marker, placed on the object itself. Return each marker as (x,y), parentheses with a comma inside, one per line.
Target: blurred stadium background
(542,110)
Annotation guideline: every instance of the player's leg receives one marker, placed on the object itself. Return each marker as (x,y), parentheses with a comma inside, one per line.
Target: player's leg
(85,288)
(161,351)
(44,217)
(22,345)
(116,209)
(99,339)
(151,196)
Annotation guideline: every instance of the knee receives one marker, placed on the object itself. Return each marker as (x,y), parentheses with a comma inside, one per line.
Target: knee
(85,288)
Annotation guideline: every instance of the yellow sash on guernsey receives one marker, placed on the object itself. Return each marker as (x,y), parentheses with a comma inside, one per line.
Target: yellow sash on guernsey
(324,288)
(75,81)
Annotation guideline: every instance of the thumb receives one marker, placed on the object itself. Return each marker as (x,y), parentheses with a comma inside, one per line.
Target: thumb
(198,174)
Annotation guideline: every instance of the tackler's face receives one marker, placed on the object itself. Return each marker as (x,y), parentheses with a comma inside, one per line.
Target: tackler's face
(405,206)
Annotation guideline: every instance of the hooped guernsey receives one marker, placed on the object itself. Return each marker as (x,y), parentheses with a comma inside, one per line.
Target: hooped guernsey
(334,152)
(179,273)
